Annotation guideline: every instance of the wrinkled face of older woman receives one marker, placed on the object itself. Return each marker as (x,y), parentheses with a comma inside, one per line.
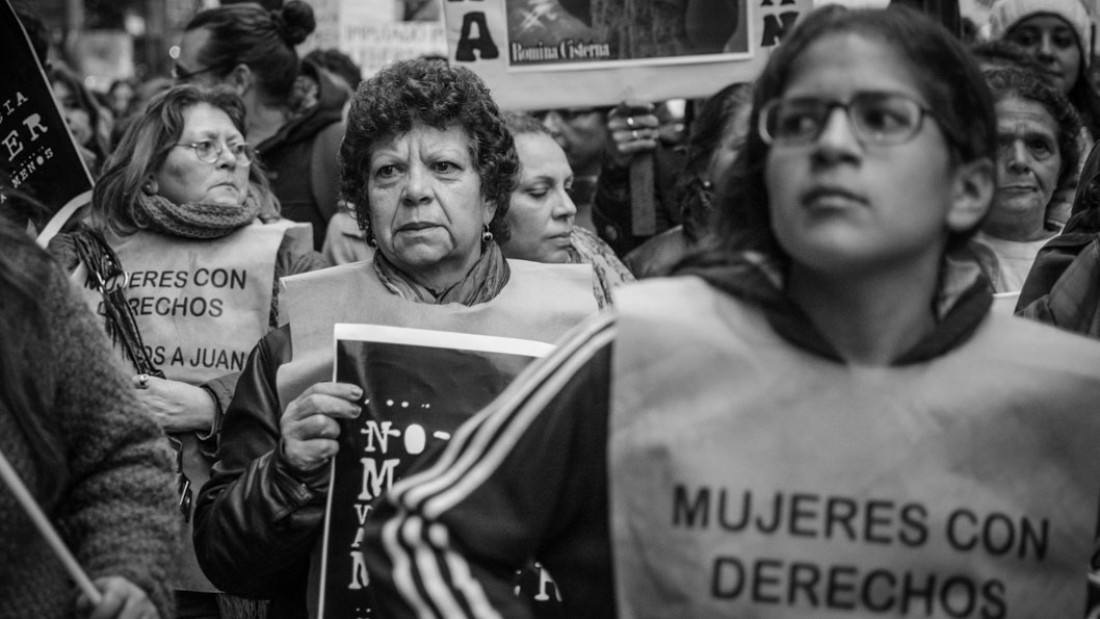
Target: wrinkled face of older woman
(427,211)
(205,164)
(1028,165)
(540,214)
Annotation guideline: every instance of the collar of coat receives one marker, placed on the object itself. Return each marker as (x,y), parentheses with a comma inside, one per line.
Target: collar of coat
(962,302)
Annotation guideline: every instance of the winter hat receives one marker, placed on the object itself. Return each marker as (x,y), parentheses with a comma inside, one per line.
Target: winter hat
(1007,13)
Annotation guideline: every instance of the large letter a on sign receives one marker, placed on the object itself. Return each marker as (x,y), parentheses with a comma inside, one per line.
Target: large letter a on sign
(483,43)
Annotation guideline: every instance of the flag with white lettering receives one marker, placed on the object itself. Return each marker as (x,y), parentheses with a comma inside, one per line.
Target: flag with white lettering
(41,170)
(419,386)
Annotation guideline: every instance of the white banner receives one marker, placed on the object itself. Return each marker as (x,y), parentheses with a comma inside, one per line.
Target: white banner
(537,54)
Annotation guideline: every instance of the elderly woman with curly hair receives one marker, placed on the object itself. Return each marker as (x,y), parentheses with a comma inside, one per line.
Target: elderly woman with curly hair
(430,166)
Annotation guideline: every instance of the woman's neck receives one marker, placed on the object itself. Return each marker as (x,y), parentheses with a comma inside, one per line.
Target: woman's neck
(871,318)
(444,274)
(263,121)
(1025,227)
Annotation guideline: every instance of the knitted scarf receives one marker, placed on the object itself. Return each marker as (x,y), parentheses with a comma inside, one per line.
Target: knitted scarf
(482,283)
(197,220)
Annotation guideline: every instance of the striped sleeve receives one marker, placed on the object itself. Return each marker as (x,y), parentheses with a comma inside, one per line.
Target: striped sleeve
(524,479)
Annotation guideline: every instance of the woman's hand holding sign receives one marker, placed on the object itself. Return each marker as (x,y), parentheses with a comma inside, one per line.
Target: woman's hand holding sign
(310,425)
(632,129)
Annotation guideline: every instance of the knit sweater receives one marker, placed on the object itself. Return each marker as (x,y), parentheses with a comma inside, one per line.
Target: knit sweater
(116,511)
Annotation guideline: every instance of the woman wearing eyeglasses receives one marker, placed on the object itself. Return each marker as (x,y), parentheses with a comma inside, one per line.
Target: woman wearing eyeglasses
(252,50)
(820,416)
(181,259)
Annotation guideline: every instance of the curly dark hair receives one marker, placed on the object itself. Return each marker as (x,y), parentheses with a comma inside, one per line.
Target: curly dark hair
(440,96)
(1021,84)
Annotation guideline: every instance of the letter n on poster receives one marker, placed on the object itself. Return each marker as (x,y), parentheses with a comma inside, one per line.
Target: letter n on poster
(418,386)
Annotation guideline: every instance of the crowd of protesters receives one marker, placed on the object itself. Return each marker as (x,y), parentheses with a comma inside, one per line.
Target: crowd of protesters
(892,232)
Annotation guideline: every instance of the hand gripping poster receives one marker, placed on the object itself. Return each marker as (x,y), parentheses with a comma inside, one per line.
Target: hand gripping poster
(418,386)
(539,54)
(41,171)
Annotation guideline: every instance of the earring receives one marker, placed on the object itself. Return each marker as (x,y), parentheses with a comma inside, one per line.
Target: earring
(486,236)
(149,189)
(368,235)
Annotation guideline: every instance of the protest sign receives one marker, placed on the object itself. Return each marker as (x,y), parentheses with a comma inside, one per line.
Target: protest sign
(200,305)
(419,387)
(537,54)
(40,164)
(369,33)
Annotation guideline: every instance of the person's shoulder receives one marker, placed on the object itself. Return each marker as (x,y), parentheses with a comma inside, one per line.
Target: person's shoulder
(1039,343)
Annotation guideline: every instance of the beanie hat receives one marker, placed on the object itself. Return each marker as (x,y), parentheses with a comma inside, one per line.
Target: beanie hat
(1007,13)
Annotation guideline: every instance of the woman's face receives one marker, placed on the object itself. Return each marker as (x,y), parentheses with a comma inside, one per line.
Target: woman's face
(838,205)
(120,99)
(1053,43)
(427,211)
(1028,164)
(183,178)
(541,212)
(76,117)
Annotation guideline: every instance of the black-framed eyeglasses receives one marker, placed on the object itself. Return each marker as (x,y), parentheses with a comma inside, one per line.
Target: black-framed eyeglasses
(182,75)
(208,151)
(876,118)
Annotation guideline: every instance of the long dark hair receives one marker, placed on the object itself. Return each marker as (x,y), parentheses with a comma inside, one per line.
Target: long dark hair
(945,72)
(25,275)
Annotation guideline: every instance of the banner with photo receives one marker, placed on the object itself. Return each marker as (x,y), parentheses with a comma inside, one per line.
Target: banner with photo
(539,54)
(41,171)
(419,386)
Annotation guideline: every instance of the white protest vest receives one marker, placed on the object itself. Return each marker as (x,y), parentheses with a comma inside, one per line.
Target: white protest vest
(540,302)
(201,305)
(753,479)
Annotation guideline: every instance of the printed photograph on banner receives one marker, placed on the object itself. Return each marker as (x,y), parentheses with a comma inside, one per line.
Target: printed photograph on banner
(419,386)
(563,33)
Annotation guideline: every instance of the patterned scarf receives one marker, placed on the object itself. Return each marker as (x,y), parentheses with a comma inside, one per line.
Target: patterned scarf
(482,283)
(197,220)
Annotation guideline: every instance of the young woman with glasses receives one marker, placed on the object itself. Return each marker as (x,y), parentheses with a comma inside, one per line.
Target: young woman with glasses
(181,259)
(820,416)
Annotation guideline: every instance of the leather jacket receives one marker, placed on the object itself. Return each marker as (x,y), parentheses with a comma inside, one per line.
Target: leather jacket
(256,523)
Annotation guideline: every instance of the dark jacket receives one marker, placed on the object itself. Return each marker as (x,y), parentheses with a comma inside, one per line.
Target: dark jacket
(1063,286)
(300,160)
(268,519)
(611,211)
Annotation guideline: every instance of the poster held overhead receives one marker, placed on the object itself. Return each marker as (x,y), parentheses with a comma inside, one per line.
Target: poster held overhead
(539,54)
